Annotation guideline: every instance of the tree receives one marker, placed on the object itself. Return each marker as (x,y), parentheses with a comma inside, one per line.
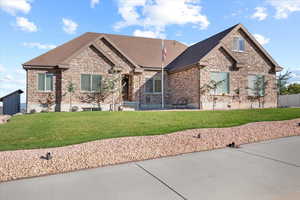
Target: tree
(292,89)
(258,91)
(212,86)
(109,87)
(96,97)
(282,80)
(71,90)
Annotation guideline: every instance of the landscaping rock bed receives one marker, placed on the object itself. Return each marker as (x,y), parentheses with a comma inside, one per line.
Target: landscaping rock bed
(4,119)
(27,163)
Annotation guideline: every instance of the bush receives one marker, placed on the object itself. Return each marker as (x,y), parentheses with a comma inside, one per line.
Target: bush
(32,111)
(74,109)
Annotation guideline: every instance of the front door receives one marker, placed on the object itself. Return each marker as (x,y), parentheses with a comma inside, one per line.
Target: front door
(125,88)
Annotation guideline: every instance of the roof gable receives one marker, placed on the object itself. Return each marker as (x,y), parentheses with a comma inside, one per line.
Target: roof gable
(195,53)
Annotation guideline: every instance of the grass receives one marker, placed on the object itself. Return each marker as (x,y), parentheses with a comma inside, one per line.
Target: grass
(59,129)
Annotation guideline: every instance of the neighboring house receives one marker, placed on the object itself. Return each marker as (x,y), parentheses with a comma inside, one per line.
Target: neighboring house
(11,103)
(232,57)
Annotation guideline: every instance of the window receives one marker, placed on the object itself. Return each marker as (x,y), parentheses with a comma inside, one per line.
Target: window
(153,85)
(90,82)
(239,44)
(221,80)
(45,82)
(256,85)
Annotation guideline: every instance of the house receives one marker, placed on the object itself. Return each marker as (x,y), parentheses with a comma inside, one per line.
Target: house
(11,103)
(232,60)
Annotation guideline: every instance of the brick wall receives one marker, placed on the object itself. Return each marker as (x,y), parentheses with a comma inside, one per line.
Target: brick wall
(254,63)
(184,86)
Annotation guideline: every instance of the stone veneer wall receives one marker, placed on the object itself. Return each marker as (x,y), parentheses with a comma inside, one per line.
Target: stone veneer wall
(184,85)
(34,96)
(254,63)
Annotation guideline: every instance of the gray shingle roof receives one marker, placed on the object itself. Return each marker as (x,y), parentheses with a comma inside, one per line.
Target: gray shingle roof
(196,52)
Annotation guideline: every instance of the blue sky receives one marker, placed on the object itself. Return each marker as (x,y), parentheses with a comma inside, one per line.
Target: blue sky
(32,27)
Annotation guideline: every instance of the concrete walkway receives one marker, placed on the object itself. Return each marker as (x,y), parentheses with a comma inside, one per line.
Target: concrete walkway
(264,171)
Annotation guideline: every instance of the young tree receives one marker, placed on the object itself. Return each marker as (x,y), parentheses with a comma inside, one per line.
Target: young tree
(282,81)
(96,97)
(258,91)
(71,90)
(110,86)
(212,86)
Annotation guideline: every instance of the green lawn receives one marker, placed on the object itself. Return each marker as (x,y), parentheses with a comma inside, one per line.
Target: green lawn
(60,129)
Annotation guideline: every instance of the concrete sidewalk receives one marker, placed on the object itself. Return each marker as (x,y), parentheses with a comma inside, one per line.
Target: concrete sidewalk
(264,171)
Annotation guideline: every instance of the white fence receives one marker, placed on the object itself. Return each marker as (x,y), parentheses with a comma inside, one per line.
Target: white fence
(292,100)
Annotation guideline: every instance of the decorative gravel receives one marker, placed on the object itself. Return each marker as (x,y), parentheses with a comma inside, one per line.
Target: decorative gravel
(27,163)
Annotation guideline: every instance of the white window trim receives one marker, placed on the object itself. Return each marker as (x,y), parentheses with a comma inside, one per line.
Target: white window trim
(253,74)
(222,94)
(87,91)
(153,85)
(46,91)
(238,50)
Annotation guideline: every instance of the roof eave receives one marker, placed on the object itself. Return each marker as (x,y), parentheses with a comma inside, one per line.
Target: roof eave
(187,67)
(39,66)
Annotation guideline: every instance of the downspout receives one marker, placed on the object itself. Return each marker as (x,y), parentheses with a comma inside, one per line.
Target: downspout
(199,86)
(27,91)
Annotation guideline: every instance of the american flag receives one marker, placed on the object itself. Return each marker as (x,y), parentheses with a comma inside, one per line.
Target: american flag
(164,50)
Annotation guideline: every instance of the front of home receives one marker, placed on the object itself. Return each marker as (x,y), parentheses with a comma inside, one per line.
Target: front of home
(220,72)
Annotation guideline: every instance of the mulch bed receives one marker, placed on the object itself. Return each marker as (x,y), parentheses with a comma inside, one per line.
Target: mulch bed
(28,163)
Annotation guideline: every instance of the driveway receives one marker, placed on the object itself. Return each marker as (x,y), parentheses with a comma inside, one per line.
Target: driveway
(264,171)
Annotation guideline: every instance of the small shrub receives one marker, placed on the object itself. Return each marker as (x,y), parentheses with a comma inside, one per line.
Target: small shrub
(74,109)
(32,111)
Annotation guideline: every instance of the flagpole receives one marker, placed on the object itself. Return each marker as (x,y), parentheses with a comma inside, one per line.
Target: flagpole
(162,75)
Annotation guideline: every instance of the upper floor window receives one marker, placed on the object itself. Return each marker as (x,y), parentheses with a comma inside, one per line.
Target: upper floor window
(256,85)
(45,82)
(239,44)
(153,85)
(90,82)
(219,83)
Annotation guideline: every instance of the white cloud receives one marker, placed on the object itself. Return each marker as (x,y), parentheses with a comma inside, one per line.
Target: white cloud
(2,69)
(7,78)
(25,25)
(260,13)
(148,34)
(14,6)
(155,15)
(39,45)
(284,7)
(94,3)
(261,39)
(69,26)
